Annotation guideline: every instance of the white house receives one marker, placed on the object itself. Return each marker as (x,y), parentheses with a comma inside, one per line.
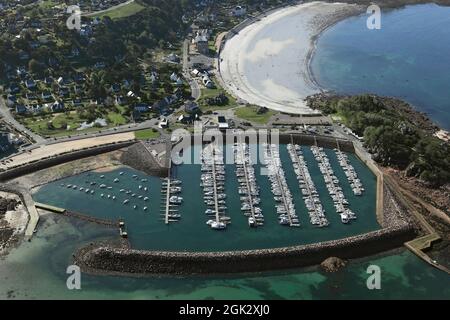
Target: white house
(174,77)
(163,123)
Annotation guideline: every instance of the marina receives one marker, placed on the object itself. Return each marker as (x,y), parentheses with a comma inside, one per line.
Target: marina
(280,189)
(307,187)
(212,182)
(187,228)
(350,173)
(94,188)
(248,189)
(171,200)
(333,186)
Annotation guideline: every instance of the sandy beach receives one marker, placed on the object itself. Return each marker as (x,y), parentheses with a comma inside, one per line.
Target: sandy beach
(267,62)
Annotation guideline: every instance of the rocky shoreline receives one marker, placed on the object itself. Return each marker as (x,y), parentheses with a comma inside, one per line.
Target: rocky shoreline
(13,219)
(7,205)
(421,119)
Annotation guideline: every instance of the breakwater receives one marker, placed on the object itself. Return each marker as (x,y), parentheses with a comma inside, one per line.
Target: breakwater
(107,259)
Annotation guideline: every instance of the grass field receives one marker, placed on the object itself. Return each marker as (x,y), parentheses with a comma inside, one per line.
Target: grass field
(146,134)
(47,4)
(116,119)
(251,114)
(336,117)
(210,93)
(39,124)
(123,11)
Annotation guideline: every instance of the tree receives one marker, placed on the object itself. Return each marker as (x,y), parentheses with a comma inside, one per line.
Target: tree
(35,67)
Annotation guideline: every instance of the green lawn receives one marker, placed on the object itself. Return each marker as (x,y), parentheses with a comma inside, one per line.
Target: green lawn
(146,134)
(336,117)
(116,119)
(38,124)
(123,11)
(210,93)
(47,4)
(251,114)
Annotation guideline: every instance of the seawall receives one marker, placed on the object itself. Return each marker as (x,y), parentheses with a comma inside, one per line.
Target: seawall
(59,159)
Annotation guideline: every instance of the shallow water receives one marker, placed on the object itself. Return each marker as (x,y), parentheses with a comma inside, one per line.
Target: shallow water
(147,231)
(408,58)
(37,270)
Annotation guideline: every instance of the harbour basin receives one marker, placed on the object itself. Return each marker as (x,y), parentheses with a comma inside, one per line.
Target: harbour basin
(147,229)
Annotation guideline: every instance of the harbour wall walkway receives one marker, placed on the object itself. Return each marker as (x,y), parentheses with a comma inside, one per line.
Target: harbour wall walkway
(106,259)
(44,163)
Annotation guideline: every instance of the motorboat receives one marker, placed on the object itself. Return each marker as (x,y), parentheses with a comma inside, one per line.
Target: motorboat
(175,200)
(344,218)
(218,225)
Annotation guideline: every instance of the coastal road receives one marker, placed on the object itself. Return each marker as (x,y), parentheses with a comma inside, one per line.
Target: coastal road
(8,117)
(195,88)
(91,14)
(149,124)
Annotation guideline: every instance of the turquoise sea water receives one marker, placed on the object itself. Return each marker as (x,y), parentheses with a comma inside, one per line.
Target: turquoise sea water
(408,58)
(147,231)
(37,270)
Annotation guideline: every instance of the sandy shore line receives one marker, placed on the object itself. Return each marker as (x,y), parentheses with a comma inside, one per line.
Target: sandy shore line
(267,62)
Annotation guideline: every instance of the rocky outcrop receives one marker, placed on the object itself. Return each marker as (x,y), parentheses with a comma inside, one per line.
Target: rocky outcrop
(7,205)
(332,264)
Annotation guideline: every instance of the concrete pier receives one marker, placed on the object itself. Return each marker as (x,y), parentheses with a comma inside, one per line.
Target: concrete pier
(247,181)
(216,203)
(282,186)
